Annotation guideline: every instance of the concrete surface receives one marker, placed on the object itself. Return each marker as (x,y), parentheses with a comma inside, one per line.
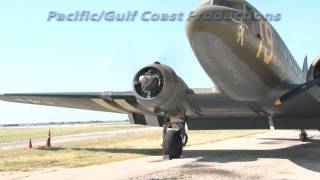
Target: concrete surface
(272,155)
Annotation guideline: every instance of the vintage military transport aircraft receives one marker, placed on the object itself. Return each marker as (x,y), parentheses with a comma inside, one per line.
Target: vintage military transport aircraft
(258,84)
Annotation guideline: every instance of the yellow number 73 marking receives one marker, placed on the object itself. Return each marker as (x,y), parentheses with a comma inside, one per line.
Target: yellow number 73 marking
(265,43)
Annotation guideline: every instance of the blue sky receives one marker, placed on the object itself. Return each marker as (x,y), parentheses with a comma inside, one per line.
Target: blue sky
(41,56)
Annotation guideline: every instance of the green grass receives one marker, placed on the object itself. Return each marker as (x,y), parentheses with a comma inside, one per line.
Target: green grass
(19,134)
(101,150)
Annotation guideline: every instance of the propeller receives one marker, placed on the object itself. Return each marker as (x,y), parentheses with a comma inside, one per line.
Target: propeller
(149,82)
(297,91)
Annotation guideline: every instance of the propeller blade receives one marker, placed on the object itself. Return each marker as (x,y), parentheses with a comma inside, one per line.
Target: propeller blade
(297,91)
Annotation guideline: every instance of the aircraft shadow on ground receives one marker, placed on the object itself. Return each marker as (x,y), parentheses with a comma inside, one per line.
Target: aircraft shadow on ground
(147,152)
(304,155)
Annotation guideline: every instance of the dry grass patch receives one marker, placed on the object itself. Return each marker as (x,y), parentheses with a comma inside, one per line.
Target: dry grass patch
(19,134)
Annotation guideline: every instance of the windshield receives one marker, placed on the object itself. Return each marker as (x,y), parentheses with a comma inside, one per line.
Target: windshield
(229,3)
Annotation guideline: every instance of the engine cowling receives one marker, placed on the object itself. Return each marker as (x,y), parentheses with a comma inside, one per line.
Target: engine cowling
(313,73)
(159,89)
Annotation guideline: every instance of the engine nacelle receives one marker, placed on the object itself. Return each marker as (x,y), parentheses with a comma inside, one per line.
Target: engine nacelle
(313,73)
(159,89)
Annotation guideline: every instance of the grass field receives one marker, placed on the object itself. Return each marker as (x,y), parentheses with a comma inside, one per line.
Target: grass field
(102,150)
(19,134)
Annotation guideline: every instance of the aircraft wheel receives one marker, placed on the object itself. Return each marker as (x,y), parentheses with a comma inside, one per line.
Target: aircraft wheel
(304,136)
(172,144)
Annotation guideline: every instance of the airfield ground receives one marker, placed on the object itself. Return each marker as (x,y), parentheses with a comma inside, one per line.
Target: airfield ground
(271,155)
(79,153)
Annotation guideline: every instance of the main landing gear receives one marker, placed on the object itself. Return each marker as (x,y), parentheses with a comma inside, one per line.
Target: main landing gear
(174,138)
(304,136)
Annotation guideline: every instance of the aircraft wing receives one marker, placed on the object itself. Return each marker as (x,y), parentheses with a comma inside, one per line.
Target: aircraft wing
(207,106)
(118,102)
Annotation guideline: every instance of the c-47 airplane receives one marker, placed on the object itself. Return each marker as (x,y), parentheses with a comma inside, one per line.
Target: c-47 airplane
(258,82)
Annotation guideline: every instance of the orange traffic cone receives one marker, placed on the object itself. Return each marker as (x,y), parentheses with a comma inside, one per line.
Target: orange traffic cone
(30,144)
(48,145)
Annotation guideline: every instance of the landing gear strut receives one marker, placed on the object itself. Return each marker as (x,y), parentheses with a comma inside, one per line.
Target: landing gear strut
(174,138)
(303,136)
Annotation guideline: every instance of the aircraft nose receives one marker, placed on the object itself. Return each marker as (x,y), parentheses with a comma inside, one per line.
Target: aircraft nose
(216,20)
(218,47)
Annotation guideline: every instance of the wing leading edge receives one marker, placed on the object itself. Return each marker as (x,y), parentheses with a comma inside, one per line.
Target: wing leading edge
(117,102)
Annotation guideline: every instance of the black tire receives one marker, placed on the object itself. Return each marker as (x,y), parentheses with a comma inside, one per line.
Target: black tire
(304,137)
(172,144)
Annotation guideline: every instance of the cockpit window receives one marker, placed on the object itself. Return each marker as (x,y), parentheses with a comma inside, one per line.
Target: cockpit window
(206,3)
(317,71)
(229,3)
